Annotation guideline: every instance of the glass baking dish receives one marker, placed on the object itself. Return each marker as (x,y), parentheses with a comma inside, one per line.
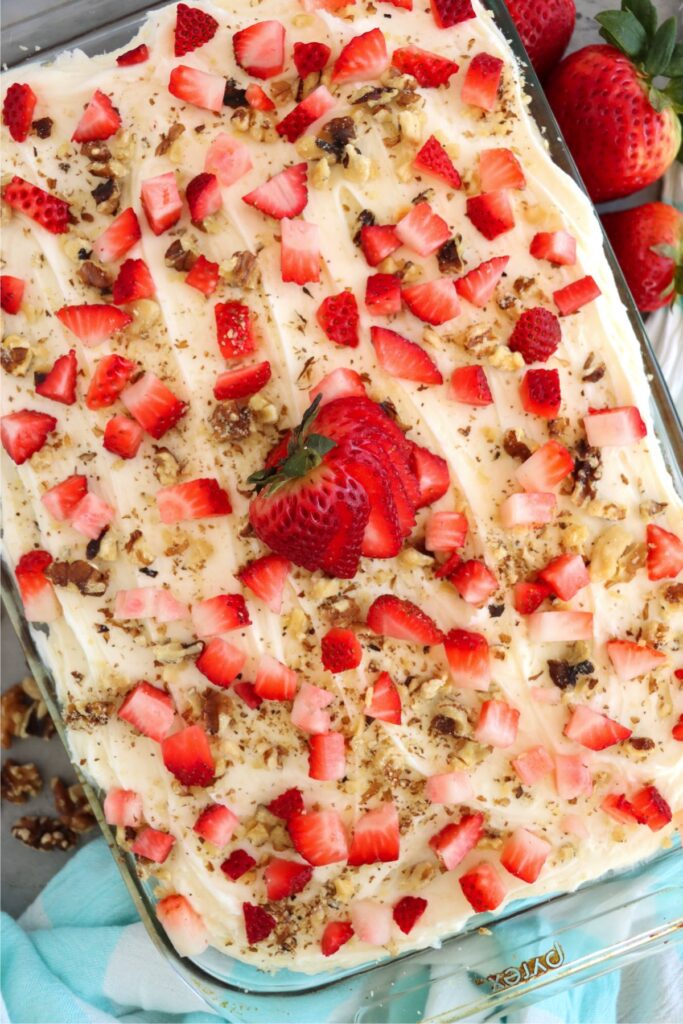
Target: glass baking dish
(535,948)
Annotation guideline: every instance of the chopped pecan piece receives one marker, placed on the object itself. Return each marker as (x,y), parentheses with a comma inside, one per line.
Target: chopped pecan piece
(515,448)
(641,743)
(449,257)
(107,195)
(179,258)
(96,151)
(88,580)
(234,96)
(19,782)
(240,270)
(94,276)
(169,137)
(24,713)
(340,610)
(335,136)
(595,375)
(216,703)
(587,471)
(88,714)
(565,675)
(43,833)
(43,127)
(72,806)
(230,422)
(674,593)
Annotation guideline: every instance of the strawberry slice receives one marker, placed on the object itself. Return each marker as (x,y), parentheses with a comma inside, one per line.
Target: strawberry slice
(540,393)
(468,659)
(283,195)
(234,330)
(152,844)
(536,335)
(572,777)
(566,575)
(310,58)
(613,427)
(432,474)
(479,284)
(422,230)
(187,755)
(138,603)
(37,593)
(258,923)
(93,324)
(11,293)
(445,531)
(299,251)
(664,553)
(433,302)
(183,925)
(480,88)
(433,159)
(274,681)
(385,700)
(594,730)
(122,437)
(383,294)
(454,841)
(216,824)
(100,120)
(266,577)
(246,692)
(482,887)
(138,55)
(119,237)
(221,662)
(203,194)
(473,581)
(17,110)
(111,375)
(287,804)
(260,49)
(306,113)
(24,433)
(133,282)
(378,241)
(161,202)
(408,911)
(327,757)
(193,28)
(258,98)
(227,158)
(500,169)
(154,406)
(491,213)
(451,12)
(123,807)
(619,808)
(470,386)
(60,383)
(341,650)
(633,660)
(428,69)
(403,358)
(546,468)
(391,616)
(203,276)
(363,58)
(308,709)
(552,627)
(203,498)
(533,765)
(91,516)
(62,499)
(497,724)
(335,935)
(242,382)
(285,878)
(47,210)
(558,247)
(527,510)
(319,837)
(200,88)
(529,596)
(575,295)
(376,836)
(524,855)
(651,808)
(219,614)
(371,922)
(149,710)
(338,317)
(449,788)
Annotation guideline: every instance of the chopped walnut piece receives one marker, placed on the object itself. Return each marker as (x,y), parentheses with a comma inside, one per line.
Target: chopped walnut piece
(335,136)
(587,470)
(43,833)
(565,675)
(179,258)
(169,137)
(216,703)
(15,355)
(241,270)
(648,509)
(340,610)
(87,715)
(96,151)
(94,276)
(165,466)
(172,652)
(86,578)
(449,256)
(19,782)
(107,196)
(43,127)
(230,422)
(24,713)
(515,447)
(595,374)
(605,509)
(72,806)
(674,593)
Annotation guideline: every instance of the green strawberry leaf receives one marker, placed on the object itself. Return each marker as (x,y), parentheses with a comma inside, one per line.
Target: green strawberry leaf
(675,68)
(623,30)
(645,12)
(661,49)
(305,451)
(319,444)
(669,251)
(657,99)
(674,92)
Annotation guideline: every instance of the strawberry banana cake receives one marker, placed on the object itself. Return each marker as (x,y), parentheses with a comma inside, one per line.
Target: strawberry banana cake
(330,467)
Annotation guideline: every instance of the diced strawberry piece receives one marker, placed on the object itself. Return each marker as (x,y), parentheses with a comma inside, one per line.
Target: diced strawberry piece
(154,406)
(341,650)
(651,808)
(246,692)
(260,49)
(220,615)
(327,756)
(47,210)
(60,383)
(17,110)
(187,755)
(149,709)
(338,317)
(527,510)
(451,12)
(479,284)
(193,28)
(558,247)
(482,887)
(612,427)
(220,662)
(454,841)
(572,777)
(227,158)
(242,382)
(575,295)
(138,603)
(183,925)
(257,98)
(482,79)
(632,660)
(310,58)
(470,386)
(428,69)
(422,230)
(237,864)
(408,911)
(677,731)
(619,808)
(434,302)
(118,238)
(390,616)
(385,700)
(565,575)
(593,730)
(287,804)
(203,194)
(499,169)
(37,593)
(445,531)
(266,577)
(340,383)
(540,393)
(234,329)
(274,681)
(433,159)
(123,807)
(383,294)
(258,923)
(473,581)
(378,241)
(432,474)
(449,788)
(308,709)
(529,596)
(491,213)
(468,659)
(376,837)
(93,324)
(306,113)
(533,765)
(536,335)
(24,433)
(497,724)
(62,499)
(203,276)
(524,855)
(91,516)
(319,837)
(282,196)
(161,201)
(100,120)
(299,251)
(216,824)
(403,358)
(363,58)
(664,553)
(133,282)
(153,845)
(138,55)
(201,89)
(11,293)
(551,627)
(168,608)
(203,498)
(371,922)
(546,468)
(336,935)
(285,878)
(111,375)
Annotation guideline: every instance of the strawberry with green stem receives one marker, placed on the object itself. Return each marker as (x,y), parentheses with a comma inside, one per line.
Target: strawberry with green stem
(648,243)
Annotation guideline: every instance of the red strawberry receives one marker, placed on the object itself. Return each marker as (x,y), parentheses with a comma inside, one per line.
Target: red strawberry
(651,808)
(434,302)
(37,593)
(451,12)
(149,709)
(306,113)
(122,437)
(445,531)
(133,282)
(664,553)
(468,659)
(648,242)
(497,725)
(123,807)
(327,756)
(153,845)
(11,293)
(266,577)
(558,247)
(219,614)
(91,516)
(482,79)
(376,836)
(227,158)
(403,358)
(274,681)
(62,499)
(482,887)
(234,329)
(632,660)
(24,433)
(242,382)
(338,317)
(491,213)
(470,386)
(422,230)
(677,731)
(246,692)
(336,935)
(47,210)
(111,375)
(220,662)
(383,294)
(575,295)
(184,926)
(529,596)
(371,921)
(566,575)
(138,55)
(203,276)
(594,730)
(200,88)
(433,159)
(17,110)
(341,650)
(449,788)
(428,69)
(540,393)
(60,383)
(478,285)
(285,878)
(203,498)
(93,324)
(258,923)
(187,755)
(203,194)
(378,241)
(499,169)
(524,855)
(385,700)
(619,808)
(161,202)
(572,777)
(473,581)
(287,804)
(551,627)
(546,468)
(527,510)
(533,765)
(432,474)
(260,49)
(153,405)
(454,841)
(310,58)
(363,58)
(545,28)
(100,120)
(193,28)
(536,335)
(299,251)
(119,237)
(257,98)
(216,824)
(391,616)
(618,426)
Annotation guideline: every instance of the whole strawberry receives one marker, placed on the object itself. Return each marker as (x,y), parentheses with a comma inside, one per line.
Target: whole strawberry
(546,27)
(622,130)
(648,242)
